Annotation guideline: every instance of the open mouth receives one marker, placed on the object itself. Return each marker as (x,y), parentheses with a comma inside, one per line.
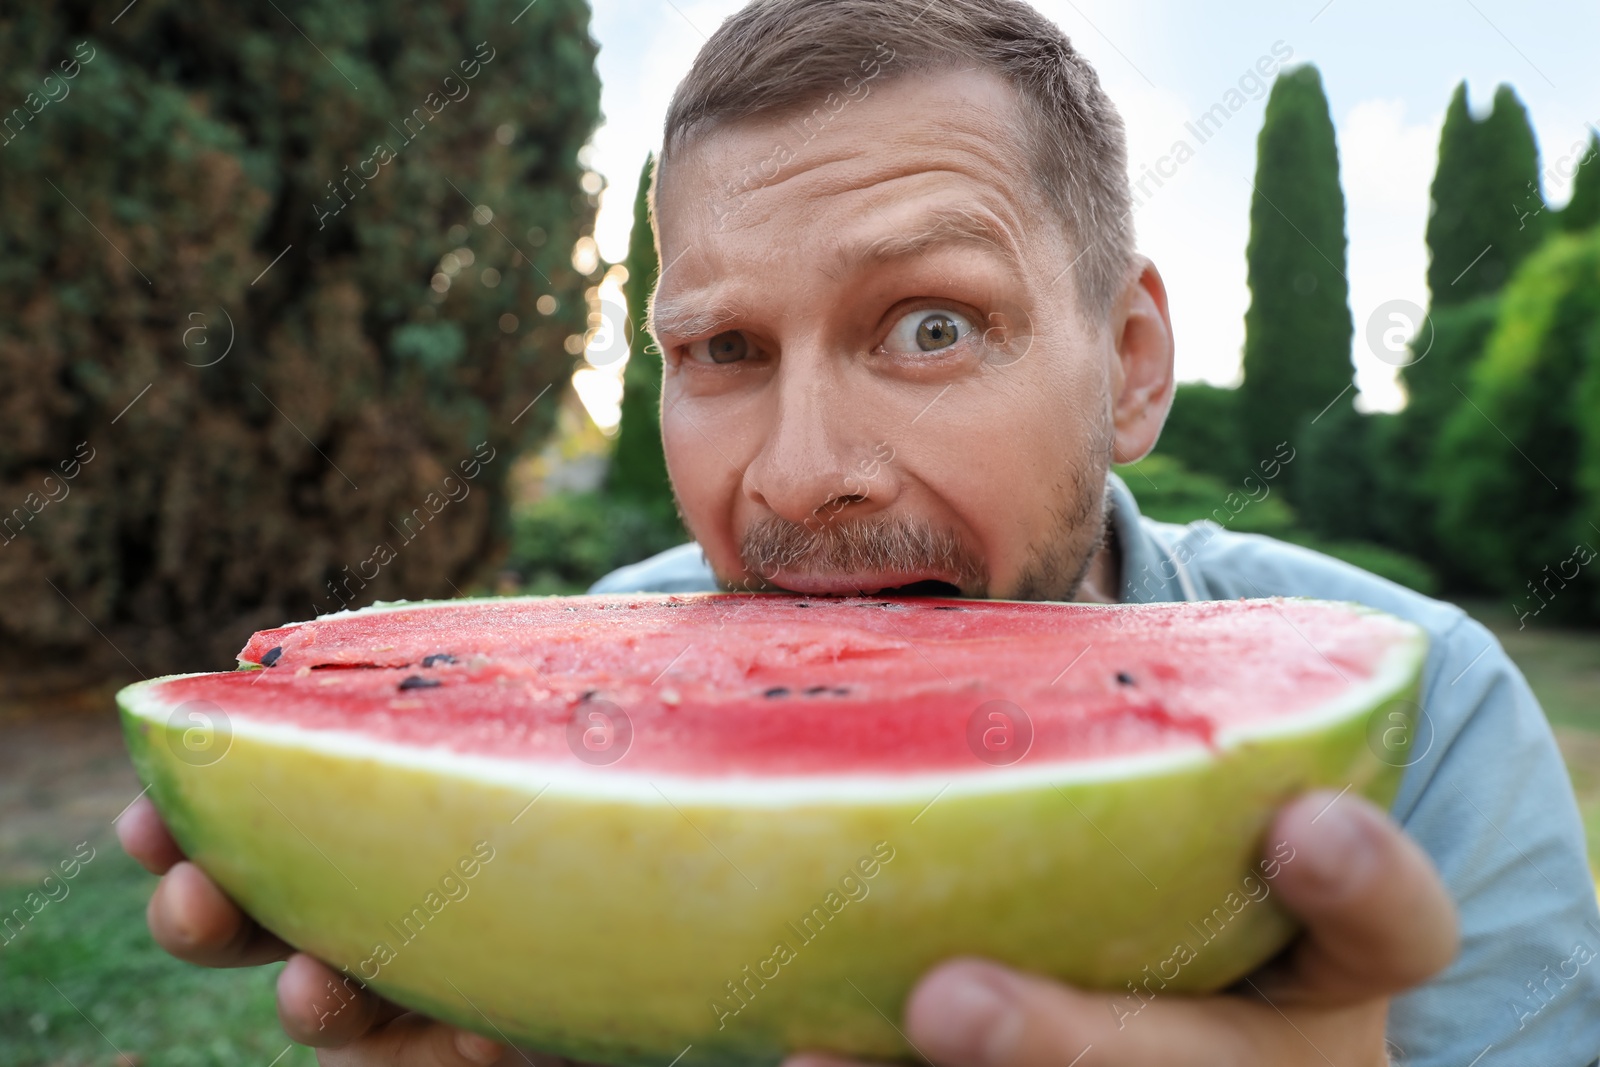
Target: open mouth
(926,587)
(867,584)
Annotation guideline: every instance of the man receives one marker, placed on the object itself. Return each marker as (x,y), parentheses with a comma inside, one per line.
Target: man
(904,334)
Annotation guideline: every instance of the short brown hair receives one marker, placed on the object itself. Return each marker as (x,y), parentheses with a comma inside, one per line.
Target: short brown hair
(775,56)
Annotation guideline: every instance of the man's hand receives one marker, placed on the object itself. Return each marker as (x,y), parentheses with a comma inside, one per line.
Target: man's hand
(194,920)
(1378,921)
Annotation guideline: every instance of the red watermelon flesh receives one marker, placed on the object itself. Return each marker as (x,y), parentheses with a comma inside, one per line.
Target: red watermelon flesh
(764,754)
(784,686)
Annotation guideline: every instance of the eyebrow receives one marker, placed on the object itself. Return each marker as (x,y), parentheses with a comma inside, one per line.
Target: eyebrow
(684,316)
(946,224)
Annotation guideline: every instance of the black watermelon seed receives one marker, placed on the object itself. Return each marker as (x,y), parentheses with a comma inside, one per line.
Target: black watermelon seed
(813,690)
(589,694)
(776,691)
(416,681)
(437,657)
(272,655)
(1124,677)
(947,607)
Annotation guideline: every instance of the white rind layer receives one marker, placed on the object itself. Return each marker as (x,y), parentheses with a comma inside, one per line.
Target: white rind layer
(1399,666)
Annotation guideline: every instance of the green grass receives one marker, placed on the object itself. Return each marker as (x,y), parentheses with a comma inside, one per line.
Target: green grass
(125,994)
(1586,783)
(1563,667)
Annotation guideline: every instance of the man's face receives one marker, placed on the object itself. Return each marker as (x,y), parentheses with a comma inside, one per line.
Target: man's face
(877,370)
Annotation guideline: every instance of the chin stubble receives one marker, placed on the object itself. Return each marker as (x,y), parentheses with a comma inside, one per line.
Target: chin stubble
(1057,570)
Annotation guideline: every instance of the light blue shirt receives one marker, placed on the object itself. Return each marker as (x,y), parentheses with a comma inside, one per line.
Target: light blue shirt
(1489,799)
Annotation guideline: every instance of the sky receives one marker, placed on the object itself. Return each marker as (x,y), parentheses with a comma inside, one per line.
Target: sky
(1388,68)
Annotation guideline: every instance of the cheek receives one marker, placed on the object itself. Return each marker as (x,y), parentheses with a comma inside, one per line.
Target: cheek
(706,484)
(1009,462)
(996,489)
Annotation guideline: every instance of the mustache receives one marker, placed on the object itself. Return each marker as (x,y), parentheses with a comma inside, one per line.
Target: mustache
(881,544)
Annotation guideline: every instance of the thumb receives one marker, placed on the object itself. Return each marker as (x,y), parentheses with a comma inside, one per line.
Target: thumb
(973,1013)
(1377,917)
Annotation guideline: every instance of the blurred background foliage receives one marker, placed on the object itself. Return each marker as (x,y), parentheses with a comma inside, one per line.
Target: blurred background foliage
(564,541)
(1487,483)
(204,188)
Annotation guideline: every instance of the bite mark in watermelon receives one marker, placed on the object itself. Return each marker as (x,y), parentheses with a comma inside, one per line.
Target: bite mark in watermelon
(680,799)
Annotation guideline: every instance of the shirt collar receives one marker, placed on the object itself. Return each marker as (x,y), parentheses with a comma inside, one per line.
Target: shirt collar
(1150,572)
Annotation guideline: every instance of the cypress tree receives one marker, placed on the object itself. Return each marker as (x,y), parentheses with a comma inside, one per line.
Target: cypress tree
(1486,216)
(638,465)
(1583,210)
(1298,327)
(1487,210)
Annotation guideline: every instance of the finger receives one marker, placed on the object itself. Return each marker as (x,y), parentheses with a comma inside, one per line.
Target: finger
(193,919)
(323,1008)
(144,837)
(416,1041)
(1378,918)
(972,1013)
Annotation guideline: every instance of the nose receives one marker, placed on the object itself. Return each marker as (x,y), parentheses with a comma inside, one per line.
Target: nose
(820,461)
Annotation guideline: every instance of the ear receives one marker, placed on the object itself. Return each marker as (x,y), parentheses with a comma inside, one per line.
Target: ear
(1141,378)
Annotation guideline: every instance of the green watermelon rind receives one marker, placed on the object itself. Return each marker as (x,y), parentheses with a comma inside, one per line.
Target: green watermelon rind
(566,949)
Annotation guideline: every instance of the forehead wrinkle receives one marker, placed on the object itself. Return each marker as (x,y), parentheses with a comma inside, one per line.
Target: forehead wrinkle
(688,315)
(939,225)
(960,124)
(990,222)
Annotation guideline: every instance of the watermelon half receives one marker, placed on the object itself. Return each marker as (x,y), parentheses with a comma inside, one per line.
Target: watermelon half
(724,827)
